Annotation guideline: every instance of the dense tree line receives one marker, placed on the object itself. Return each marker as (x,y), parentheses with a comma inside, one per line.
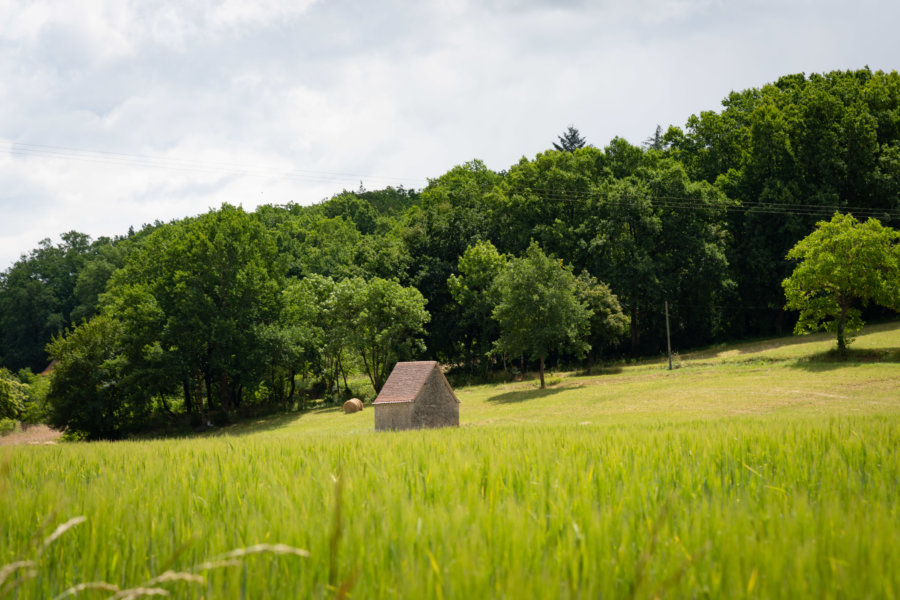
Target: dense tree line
(231,310)
(792,153)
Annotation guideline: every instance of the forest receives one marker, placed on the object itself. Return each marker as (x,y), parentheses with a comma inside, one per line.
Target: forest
(562,260)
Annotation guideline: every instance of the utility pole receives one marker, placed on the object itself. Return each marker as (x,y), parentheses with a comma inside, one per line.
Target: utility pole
(668,337)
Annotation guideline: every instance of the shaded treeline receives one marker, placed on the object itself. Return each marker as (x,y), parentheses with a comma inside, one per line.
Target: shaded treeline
(240,308)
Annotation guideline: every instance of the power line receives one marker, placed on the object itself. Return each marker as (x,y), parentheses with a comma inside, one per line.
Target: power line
(25,149)
(701,204)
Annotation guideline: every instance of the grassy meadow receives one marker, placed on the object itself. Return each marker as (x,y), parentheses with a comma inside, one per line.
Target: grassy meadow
(768,469)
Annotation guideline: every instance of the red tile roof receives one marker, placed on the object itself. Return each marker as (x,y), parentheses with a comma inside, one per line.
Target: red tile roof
(405,381)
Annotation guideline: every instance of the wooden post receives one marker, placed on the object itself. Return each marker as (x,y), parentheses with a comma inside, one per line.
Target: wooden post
(668,337)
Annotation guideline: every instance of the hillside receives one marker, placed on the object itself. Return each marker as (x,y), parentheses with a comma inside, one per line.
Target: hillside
(787,376)
(766,469)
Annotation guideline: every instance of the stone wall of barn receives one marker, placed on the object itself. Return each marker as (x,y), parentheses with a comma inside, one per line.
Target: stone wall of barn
(393,416)
(435,406)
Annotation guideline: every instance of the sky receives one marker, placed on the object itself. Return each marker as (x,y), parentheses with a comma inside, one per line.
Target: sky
(117,113)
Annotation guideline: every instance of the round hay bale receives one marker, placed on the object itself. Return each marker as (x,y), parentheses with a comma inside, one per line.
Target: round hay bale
(353,405)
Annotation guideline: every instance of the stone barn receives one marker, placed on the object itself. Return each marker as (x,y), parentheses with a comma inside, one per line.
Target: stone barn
(416,395)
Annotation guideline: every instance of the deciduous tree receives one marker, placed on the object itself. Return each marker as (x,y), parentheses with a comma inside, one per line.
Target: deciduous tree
(87,394)
(37,299)
(843,265)
(475,296)
(388,327)
(538,310)
(206,289)
(608,322)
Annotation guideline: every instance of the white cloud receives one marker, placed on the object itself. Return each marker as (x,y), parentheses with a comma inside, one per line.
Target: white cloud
(116,29)
(266,101)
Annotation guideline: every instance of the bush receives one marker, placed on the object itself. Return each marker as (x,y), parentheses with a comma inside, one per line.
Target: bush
(8,426)
(12,395)
(35,405)
(87,393)
(363,390)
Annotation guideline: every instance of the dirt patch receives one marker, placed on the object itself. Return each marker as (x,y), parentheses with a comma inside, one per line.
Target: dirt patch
(33,434)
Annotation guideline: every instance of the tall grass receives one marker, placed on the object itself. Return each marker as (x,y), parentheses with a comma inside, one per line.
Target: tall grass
(702,489)
(742,508)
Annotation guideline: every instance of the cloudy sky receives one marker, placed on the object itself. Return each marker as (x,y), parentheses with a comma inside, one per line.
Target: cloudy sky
(120,112)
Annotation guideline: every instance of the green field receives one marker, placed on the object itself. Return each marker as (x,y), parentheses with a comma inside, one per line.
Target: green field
(761,470)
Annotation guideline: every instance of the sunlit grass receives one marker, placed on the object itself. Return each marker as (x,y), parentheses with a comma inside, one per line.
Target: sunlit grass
(755,471)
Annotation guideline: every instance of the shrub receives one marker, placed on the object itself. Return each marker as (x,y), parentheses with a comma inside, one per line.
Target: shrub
(8,426)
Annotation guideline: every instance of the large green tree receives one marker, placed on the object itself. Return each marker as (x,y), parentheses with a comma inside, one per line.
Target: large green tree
(340,308)
(656,236)
(37,299)
(201,292)
(608,323)
(842,266)
(294,344)
(538,310)
(389,325)
(88,391)
(545,199)
(457,209)
(475,297)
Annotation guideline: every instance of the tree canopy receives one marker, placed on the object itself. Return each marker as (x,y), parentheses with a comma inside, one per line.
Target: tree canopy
(538,309)
(791,153)
(475,297)
(842,266)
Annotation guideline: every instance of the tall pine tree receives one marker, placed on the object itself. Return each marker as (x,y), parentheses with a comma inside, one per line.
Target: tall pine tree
(570,141)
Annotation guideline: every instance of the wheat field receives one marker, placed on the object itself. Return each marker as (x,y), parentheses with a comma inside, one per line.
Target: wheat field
(764,470)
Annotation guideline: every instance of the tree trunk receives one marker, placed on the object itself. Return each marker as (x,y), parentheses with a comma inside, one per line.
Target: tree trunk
(204,418)
(207,379)
(635,333)
(331,374)
(225,393)
(165,406)
(290,399)
(484,348)
(542,371)
(344,373)
(188,404)
(373,375)
(841,340)
(842,320)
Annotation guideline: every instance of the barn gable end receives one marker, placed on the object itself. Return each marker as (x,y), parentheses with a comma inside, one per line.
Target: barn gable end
(416,395)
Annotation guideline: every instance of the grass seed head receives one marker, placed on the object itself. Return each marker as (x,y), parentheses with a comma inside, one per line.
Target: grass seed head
(175,576)
(90,585)
(218,564)
(61,530)
(264,549)
(11,568)
(138,592)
